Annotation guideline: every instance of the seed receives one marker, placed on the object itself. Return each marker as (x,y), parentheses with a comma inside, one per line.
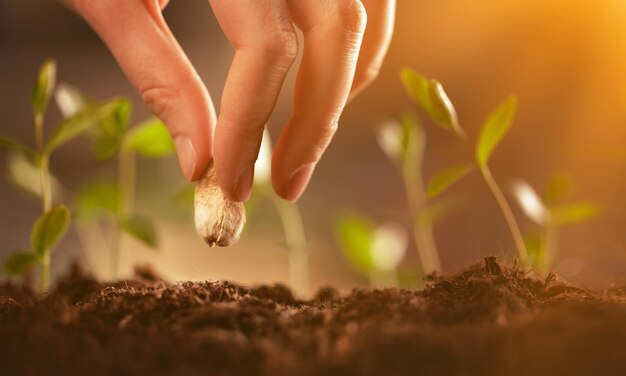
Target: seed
(219,221)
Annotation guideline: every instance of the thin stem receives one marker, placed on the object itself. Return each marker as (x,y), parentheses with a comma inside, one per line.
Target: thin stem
(126,184)
(549,249)
(116,248)
(45,272)
(416,197)
(498,195)
(295,238)
(46,195)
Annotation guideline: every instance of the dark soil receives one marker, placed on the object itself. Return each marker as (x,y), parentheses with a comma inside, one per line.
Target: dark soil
(486,320)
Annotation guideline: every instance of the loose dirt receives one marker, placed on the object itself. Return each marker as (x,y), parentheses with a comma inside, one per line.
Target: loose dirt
(485,320)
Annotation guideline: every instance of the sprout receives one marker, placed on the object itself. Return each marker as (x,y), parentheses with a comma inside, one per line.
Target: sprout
(52,224)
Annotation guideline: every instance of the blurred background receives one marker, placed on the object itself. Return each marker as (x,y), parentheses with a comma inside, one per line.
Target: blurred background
(564,59)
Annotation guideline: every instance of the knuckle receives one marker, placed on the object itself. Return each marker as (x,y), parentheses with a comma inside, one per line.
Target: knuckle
(282,46)
(352,15)
(158,97)
(324,136)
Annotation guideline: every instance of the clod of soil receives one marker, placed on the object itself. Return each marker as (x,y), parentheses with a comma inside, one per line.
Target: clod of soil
(486,320)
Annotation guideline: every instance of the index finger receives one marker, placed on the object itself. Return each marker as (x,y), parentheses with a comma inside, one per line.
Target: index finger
(333,31)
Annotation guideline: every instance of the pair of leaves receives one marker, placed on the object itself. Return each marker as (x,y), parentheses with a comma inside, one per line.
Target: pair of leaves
(46,233)
(551,215)
(430,96)
(73,126)
(97,199)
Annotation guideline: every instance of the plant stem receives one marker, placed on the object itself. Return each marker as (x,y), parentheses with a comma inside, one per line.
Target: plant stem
(295,238)
(549,249)
(45,272)
(46,195)
(498,195)
(126,184)
(416,197)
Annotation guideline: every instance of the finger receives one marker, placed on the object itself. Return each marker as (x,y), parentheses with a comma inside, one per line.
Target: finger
(333,30)
(380,20)
(136,34)
(266,45)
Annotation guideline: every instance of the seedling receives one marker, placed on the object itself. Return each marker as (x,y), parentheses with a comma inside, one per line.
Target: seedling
(114,201)
(430,96)
(550,214)
(404,143)
(53,222)
(374,251)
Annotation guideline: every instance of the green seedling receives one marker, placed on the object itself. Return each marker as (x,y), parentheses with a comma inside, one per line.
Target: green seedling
(430,96)
(28,163)
(114,201)
(550,213)
(290,217)
(404,143)
(374,251)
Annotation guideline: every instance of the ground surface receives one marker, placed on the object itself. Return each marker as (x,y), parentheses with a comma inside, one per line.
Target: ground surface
(485,320)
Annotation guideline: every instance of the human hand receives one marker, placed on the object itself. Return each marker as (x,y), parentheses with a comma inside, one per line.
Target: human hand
(340,58)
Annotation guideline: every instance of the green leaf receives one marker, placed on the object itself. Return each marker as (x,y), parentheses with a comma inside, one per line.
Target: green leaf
(44,87)
(19,262)
(49,228)
(558,187)
(446,178)
(26,175)
(80,122)
(11,144)
(573,213)
(494,129)
(437,210)
(140,228)
(97,198)
(431,97)
(105,146)
(69,99)
(355,235)
(150,139)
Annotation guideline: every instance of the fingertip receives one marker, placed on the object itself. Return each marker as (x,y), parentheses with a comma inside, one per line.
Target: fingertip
(291,185)
(187,157)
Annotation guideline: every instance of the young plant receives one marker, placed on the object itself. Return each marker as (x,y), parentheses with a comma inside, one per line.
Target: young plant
(290,217)
(374,251)
(550,214)
(432,99)
(54,220)
(404,142)
(114,201)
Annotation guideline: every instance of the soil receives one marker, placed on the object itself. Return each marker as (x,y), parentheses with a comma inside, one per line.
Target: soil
(485,320)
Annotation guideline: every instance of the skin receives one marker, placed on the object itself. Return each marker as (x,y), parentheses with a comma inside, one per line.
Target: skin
(343,46)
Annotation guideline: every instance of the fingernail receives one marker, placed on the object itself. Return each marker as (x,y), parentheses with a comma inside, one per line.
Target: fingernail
(186,156)
(243,185)
(298,181)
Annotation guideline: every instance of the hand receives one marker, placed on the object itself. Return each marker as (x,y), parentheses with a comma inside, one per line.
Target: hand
(263,34)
